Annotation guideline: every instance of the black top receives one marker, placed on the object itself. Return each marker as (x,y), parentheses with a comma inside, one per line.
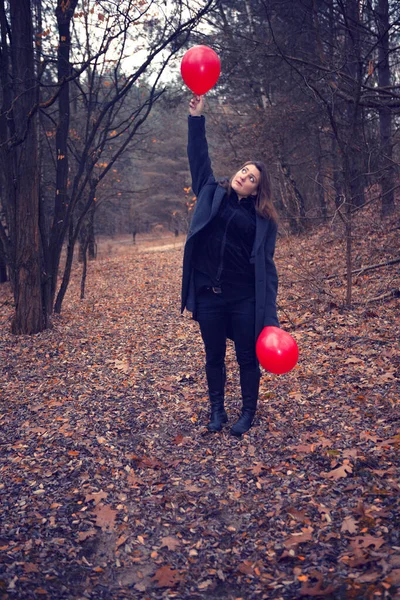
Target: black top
(223,248)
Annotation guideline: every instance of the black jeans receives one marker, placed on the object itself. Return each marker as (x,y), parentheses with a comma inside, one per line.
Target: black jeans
(217,313)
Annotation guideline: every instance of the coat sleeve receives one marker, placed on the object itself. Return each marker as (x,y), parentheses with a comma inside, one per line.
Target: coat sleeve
(199,160)
(271,279)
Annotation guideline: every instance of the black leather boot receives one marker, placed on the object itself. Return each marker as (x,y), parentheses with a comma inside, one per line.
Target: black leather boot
(249,383)
(216,377)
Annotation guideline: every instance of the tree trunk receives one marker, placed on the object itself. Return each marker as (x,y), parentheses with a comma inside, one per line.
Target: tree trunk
(87,239)
(92,246)
(296,204)
(8,162)
(337,174)
(28,318)
(319,177)
(353,134)
(84,269)
(3,268)
(64,13)
(82,242)
(72,237)
(349,255)
(385,115)
(347,217)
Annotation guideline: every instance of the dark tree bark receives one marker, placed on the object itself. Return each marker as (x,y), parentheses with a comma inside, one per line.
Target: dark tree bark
(319,177)
(385,112)
(296,202)
(3,267)
(92,245)
(87,238)
(72,237)
(83,250)
(8,165)
(64,14)
(28,316)
(353,155)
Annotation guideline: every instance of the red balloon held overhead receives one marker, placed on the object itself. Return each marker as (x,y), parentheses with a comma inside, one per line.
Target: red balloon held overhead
(276,350)
(200,69)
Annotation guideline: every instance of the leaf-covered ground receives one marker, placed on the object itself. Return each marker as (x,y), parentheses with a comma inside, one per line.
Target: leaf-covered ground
(110,486)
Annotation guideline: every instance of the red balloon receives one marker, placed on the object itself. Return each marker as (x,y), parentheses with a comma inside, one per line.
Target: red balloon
(200,69)
(276,350)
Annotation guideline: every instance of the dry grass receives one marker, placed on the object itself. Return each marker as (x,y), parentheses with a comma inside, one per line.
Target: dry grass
(145,242)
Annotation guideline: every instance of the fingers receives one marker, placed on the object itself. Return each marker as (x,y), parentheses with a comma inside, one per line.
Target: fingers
(196,105)
(195,101)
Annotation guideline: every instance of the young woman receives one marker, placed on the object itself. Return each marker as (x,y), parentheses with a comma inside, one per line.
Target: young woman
(229,279)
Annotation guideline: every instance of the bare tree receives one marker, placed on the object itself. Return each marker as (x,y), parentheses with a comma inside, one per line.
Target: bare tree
(106,125)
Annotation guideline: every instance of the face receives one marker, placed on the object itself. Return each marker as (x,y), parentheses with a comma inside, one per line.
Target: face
(245,182)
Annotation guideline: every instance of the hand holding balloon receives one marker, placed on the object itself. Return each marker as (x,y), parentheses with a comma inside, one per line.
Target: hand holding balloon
(276,350)
(196,106)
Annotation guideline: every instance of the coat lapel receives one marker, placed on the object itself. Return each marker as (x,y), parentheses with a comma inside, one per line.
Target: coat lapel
(219,194)
(261,230)
(200,220)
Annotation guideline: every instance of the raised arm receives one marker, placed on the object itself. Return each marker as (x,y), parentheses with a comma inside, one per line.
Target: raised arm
(199,160)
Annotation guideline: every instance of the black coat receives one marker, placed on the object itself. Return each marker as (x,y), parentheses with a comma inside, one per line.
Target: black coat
(209,196)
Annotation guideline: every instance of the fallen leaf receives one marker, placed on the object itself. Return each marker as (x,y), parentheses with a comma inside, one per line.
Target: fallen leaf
(192,488)
(133,480)
(257,468)
(394,577)
(105,516)
(31,568)
(204,585)
(368,577)
(364,541)
(151,463)
(317,589)
(350,453)
(178,439)
(342,471)
(122,365)
(303,448)
(246,567)
(167,577)
(170,542)
(349,524)
(84,535)
(298,515)
(96,497)
(299,538)
(121,540)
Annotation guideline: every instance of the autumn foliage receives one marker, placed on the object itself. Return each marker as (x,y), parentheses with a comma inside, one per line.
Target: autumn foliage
(110,487)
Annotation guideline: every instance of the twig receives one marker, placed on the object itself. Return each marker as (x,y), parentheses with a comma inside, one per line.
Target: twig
(392,294)
(286,315)
(369,268)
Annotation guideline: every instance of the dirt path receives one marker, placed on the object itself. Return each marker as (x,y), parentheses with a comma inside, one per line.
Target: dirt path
(111,489)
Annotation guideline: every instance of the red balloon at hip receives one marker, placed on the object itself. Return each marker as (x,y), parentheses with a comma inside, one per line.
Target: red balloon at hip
(200,69)
(276,350)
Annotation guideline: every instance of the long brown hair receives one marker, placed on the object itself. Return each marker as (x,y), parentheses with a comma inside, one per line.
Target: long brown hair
(263,198)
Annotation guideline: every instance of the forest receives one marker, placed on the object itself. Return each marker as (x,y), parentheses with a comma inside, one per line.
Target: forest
(93,110)
(109,485)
